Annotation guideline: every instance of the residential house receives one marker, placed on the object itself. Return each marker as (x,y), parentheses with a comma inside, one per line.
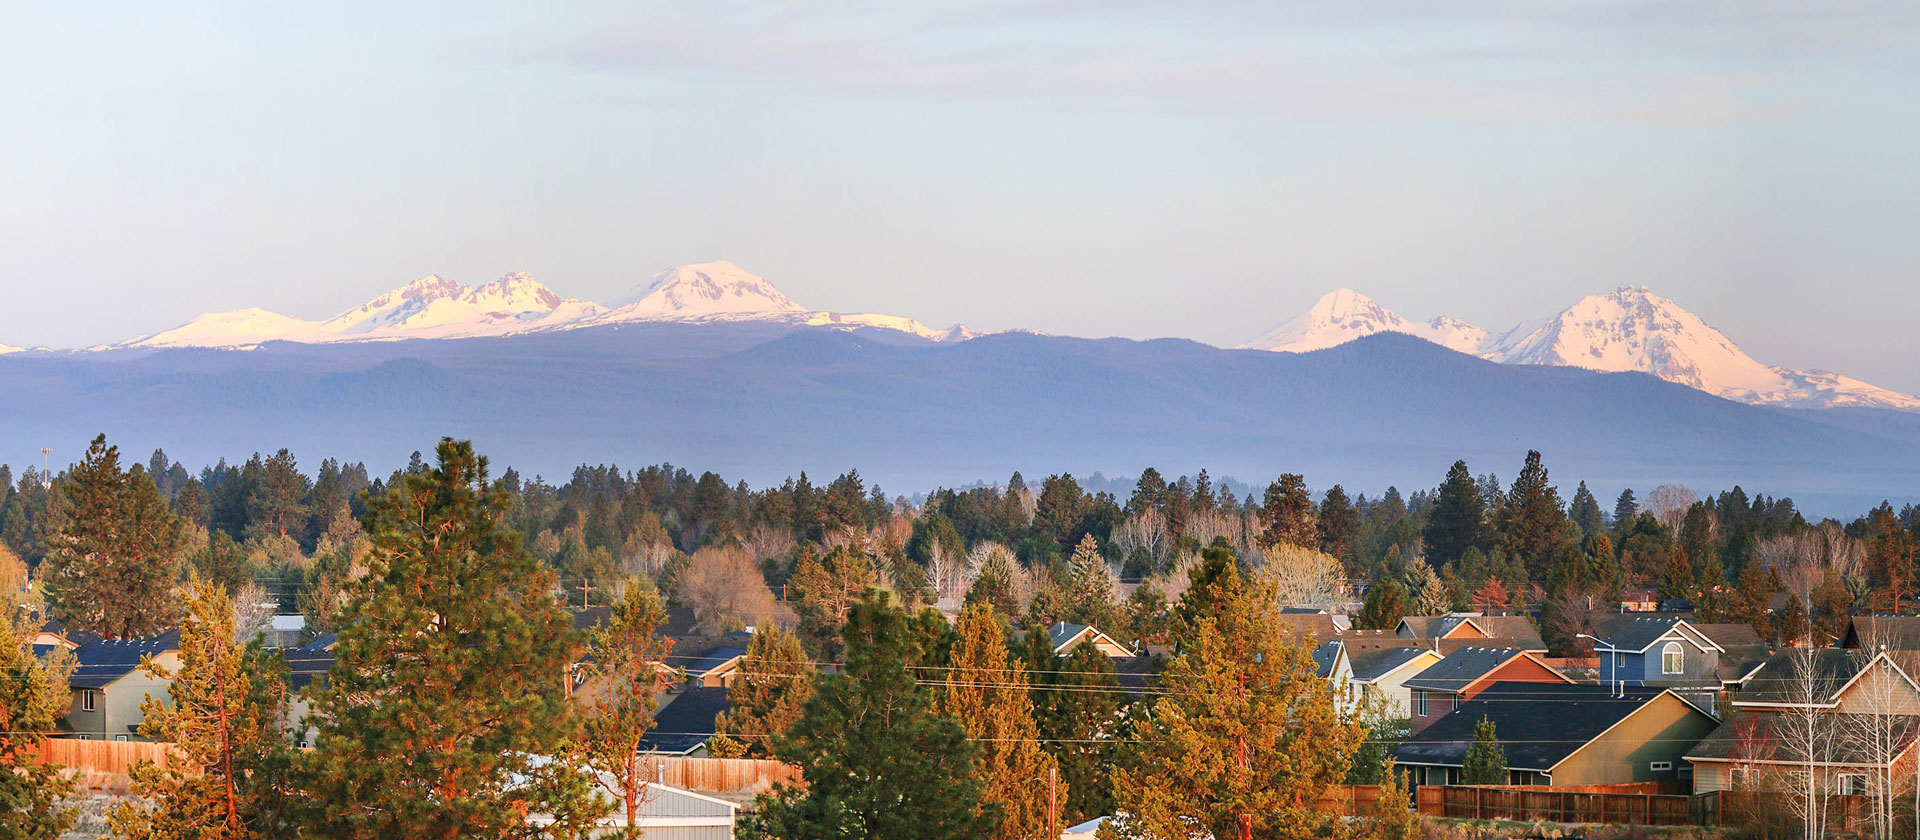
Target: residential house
(1882,632)
(1464,673)
(711,666)
(55,634)
(1700,661)
(1065,637)
(1381,675)
(1563,734)
(1473,629)
(306,665)
(1847,688)
(683,724)
(1316,627)
(667,813)
(1331,663)
(108,686)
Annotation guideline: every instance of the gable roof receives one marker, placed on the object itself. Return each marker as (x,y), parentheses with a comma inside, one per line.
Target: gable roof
(1742,651)
(686,721)
(1574,714)
(1779,683)
(1466,666)
(1757,737)
(101,663)
(1062,634)
(1514,631)
(1326,658)
(1893,632)
(712,660)
(307,666)
(1370,665)
(1317,626)
(1638,635)
(324,641)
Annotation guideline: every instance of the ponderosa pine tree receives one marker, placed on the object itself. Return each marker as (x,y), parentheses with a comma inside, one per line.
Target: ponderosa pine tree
(33,698)
(1076,707)
(1244,737)
(1486,761)
(1287,515)
(1385,605)
(877,761)
(1677,582)
(767,695)
(823,590)
(1089,589)
(1584,510)
(988,694)
(1458,521)
(223,714)
(112,569)
(1831,609)
(1533,523)
(617,697)
(1339,524)
(1790,623)
(449,681)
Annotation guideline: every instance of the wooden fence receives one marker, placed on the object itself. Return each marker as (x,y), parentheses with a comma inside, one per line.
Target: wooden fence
(117,757)
(737,776)
(1561,805)
(1723,808)
(1348,800)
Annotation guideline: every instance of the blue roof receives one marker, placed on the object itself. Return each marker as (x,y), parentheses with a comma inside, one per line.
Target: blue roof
(712,659)
(686,722)
(105,661)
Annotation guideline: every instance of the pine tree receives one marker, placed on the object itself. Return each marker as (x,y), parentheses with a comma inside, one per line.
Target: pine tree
(1832,607)
(824,589)
(1339,524)
(1385,605)
(1287,516)
(451,661)
(1677,582)
(878,763)
(619,696)
(1089,590)
(1625,508)
(1533,524)
(112,569)
(1076,708)
(988,695)
(1426,591)
(224,713)
(1244,737)
(1752,596)
(1790,623)
(1458,520)
(768,692)
(33,698)
(1584,510)
(1486,761)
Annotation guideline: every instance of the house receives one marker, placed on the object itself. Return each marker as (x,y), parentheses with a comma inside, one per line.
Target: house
(306,665)
(1331,663)
(108,686)
(1700,661)
(1852,690)
(1381,675)
(1066,637)
(1317,627)
(55,634)
(669,813)
(1564,734)
(684,722)
(1511,631)
(1882,632)
(1464,673)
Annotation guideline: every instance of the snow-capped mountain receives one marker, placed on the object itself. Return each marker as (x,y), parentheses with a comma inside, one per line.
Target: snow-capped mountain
(1628,329)
(437,307)
(8,348)
(1344,315)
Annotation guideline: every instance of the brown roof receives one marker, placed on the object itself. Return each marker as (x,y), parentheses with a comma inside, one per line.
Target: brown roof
(1318,627)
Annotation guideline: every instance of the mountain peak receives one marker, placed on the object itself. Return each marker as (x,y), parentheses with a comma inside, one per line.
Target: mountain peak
(705,290)
(1343,315)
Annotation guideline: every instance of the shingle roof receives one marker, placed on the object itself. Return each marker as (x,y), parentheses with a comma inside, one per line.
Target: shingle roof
(1637,633)
(102,662)
(1325,657)
(1374,664)
(1462,667)
(1316,626)
(324,641)
(1063,632)
(686,721)
(1779,681)
(1521,712)
(1742,648)
(711,659)
(1894,632)
(1514,631)
(306,666)
(1758,736)
(76,637)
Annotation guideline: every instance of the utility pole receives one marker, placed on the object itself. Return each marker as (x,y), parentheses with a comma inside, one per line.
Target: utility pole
(585,587)
(1053,802)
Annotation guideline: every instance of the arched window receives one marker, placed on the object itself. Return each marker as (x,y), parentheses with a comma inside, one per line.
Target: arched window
(1672,660)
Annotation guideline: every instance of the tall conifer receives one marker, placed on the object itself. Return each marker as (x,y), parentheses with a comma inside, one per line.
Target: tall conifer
(113,568)
(988,695)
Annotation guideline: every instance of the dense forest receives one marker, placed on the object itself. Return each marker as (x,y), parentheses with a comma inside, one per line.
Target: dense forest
(293,537)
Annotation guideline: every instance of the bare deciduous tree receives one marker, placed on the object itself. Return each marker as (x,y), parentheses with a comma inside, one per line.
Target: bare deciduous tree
(253,609)
(723,584)
(1302,576)
(1809,739)
(948,574)
(1804,558)
(1669,502)
(1146,529)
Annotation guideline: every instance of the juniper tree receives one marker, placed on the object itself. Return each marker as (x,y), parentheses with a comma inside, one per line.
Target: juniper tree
(112,569)
(988,694)
(223,714)
(33,698)
(767,694)
(876,760)
(618,696)
(449,685)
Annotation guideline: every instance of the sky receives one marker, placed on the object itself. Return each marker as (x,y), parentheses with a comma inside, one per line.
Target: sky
(1085,167)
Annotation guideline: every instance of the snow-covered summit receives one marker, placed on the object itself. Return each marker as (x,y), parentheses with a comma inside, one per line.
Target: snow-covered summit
(1343,315)
(8,348)
(701,291)
(236,328)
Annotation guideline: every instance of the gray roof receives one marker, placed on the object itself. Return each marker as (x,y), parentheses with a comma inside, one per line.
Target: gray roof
(306,666)
(1778,680)
(1743,649)
(1757,736)
(1325,657)
(1635,634)
(1521,712)
(1462,667)
(686,721)
(1317,626)
(1374,664)
(712,659)
(1514,631)
(1894,632)
(102,662)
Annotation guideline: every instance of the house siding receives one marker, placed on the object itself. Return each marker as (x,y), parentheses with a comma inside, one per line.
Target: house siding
(1660,731)
(1438,705)
(117,706)
(1878,686)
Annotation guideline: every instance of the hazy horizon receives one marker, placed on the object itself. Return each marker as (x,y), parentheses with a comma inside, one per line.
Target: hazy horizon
(1081,169)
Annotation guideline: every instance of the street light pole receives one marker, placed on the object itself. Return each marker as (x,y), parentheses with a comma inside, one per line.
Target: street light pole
(1610,661)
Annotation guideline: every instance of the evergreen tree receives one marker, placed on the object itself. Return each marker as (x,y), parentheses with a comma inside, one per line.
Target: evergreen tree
(1790,623)
(824,589)
(1832,608)
(1584,510)
(997,583)
(113,567)
(1677,582)
(1394,817)
(988,695)
(1426,592)
(1385,605)
(877,761)
(1089,590)
(451,658)
(33,699)
(1533,524)
(767,694)
(1492,596)
(1752,597)
(276,497)
(619,696)
(224,720)
(1458,520)
(1243,738)
(1287,516)
(1339,524)
(1076,709)
(1486,762)
(1625,508)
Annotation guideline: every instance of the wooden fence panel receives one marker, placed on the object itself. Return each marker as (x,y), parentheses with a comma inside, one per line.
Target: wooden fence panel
(104,756)
(1546,804)
(739,776)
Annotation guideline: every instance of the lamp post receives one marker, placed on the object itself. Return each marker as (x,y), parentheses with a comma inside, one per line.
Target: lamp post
(1599,645)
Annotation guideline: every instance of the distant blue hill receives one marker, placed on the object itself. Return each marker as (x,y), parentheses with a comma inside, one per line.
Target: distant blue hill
(760,402)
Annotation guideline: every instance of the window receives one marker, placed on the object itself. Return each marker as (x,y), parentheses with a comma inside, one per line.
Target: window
(119,737)
(1672,660)
(1660,766)
(86,701)
(1853,784)
(1420,703)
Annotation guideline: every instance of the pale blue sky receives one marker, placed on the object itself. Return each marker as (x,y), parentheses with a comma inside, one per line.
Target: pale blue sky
(1088,167)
